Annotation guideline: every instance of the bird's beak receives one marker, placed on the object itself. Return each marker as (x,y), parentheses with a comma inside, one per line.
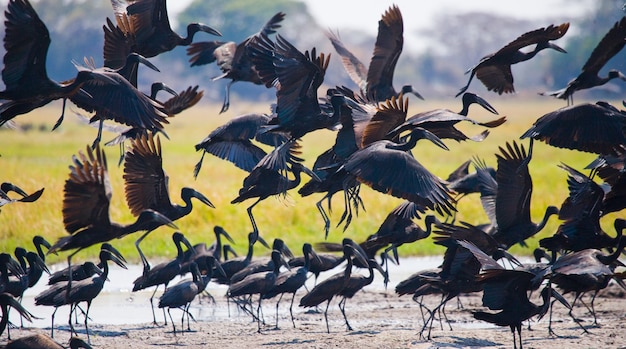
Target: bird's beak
(147,63)
(162,220)
(285,251)
(159,86)
(226,235)
(556,47)
(380,270)
(108,247)
(203,199)
(41,264)
(188,244)
(262,241)
(6,187)
(311,174)
(483,103)
(219,268)
(14,267)
(115,259)
(433,138)
(207,29)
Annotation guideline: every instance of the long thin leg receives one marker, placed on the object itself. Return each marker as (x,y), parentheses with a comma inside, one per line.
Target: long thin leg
(226,104)
(326,316)
(320,208)
(52,324)
(258,314)
(144,260)
(172,321)
(152,306)
(277,303)
(342,307)
(254,227)
(291,310)
(69,321)
(86,320)
(60,120)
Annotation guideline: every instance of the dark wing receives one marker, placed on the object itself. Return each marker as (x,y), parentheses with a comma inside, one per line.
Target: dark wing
(26,42)
(185,99)
(399,174)
(146,182)
(146,16)
(202,53)
(387,50)
(497,78)
(514,187)
(597,128)
(87,192)
(585,196)
(609,46)
(532,37)
(118,41)
(389,115)
(353,66)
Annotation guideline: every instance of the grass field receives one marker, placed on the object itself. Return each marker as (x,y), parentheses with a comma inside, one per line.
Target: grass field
(40,158)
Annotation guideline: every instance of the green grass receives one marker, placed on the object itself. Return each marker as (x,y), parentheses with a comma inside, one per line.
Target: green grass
(40,158)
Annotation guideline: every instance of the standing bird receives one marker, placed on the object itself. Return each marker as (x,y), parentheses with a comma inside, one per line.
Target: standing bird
(376,82)
(147,30)
(612,43)
(357,283)
(27,85)
(326,290)
(87,195)
(162,273)
(233,59)
(6,301)
(146,185)
(232,266)
(201,250)
(494,70)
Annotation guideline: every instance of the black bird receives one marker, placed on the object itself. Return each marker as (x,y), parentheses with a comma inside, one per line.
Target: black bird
(494,70)
(6,188)
(611,44)
(147,29)
(595,128)
(296,76)
(263,264)
(387,167)
(581,212)
(357,283)
(232,141)
(233,59)
(87,195)
(200,250)
(146,185)
(41,341)
(326,290)
(441,122)
(80,291)
(376,82)
(162,273)
(258,283)
(27,85)
(506,199)
(611,169)
(6,301)
(586,270)
(232,266)
(463,183)
(291,281)
(267,179)
(79,272)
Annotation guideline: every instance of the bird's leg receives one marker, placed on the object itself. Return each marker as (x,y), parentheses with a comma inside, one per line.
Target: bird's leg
(291,310)
(514,339)
(445,316)
(226,103)
(172,321)
(320,208)
(164,317)
(342,307)
(277,303)
(572,315)
(52,324)
(326,316)
(122,154)
(87,319)
(69,321)
(258,314)
(183,320)
(593,309)
(152,306)
(99,136)
(463,89)
(60,120)
(254,227)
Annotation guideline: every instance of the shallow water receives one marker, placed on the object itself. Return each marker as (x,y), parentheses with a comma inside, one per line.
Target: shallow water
(117,304)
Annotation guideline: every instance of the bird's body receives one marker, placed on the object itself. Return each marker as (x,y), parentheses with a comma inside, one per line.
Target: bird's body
(494,70)
(41,341)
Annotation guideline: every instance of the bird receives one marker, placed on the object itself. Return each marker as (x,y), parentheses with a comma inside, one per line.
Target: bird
(6,301)
(588,127)
(506,199)
(464,183)
(80,291)
(200,250)
(586,270)
(163,273)
(146,184)
(258,283)
(33,267)
(494,70)
(610,45)
(291,281)
(267,179)
(385,166)
(609,168)
(183,293)
(232,141)
(147,30)
(87,195)
(233,59)
(27,85)
(296,77)
(232,266)
(441,122)
(263,264)
(41,341)
(376,82)
(7,187)
(357,283)
(326,290)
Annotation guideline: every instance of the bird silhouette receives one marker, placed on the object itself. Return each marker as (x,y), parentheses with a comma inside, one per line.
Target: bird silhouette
(494,70)
(610,45)
(6,188)
(6,301)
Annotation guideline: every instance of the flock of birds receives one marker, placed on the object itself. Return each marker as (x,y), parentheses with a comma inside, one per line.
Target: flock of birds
(373,147)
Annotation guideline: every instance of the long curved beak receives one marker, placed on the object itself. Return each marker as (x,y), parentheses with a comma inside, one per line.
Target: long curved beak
(556,47)
(433,138)
(117,260)
(262,241)
(40,263)
(159,86)
(207,29)
(108,247)
(311,174)
(6,187)
(483,103)
(147,63)
(203,199)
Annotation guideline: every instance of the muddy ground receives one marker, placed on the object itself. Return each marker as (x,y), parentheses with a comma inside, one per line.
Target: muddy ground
(380,319)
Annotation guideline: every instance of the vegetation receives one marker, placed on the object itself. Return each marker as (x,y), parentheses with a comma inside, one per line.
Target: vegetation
(39,158)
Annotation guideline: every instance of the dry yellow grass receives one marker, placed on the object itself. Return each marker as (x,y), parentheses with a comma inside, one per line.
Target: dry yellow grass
(40,158)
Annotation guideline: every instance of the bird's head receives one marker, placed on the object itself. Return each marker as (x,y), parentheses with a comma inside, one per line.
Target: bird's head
(187,193)
(193,28)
